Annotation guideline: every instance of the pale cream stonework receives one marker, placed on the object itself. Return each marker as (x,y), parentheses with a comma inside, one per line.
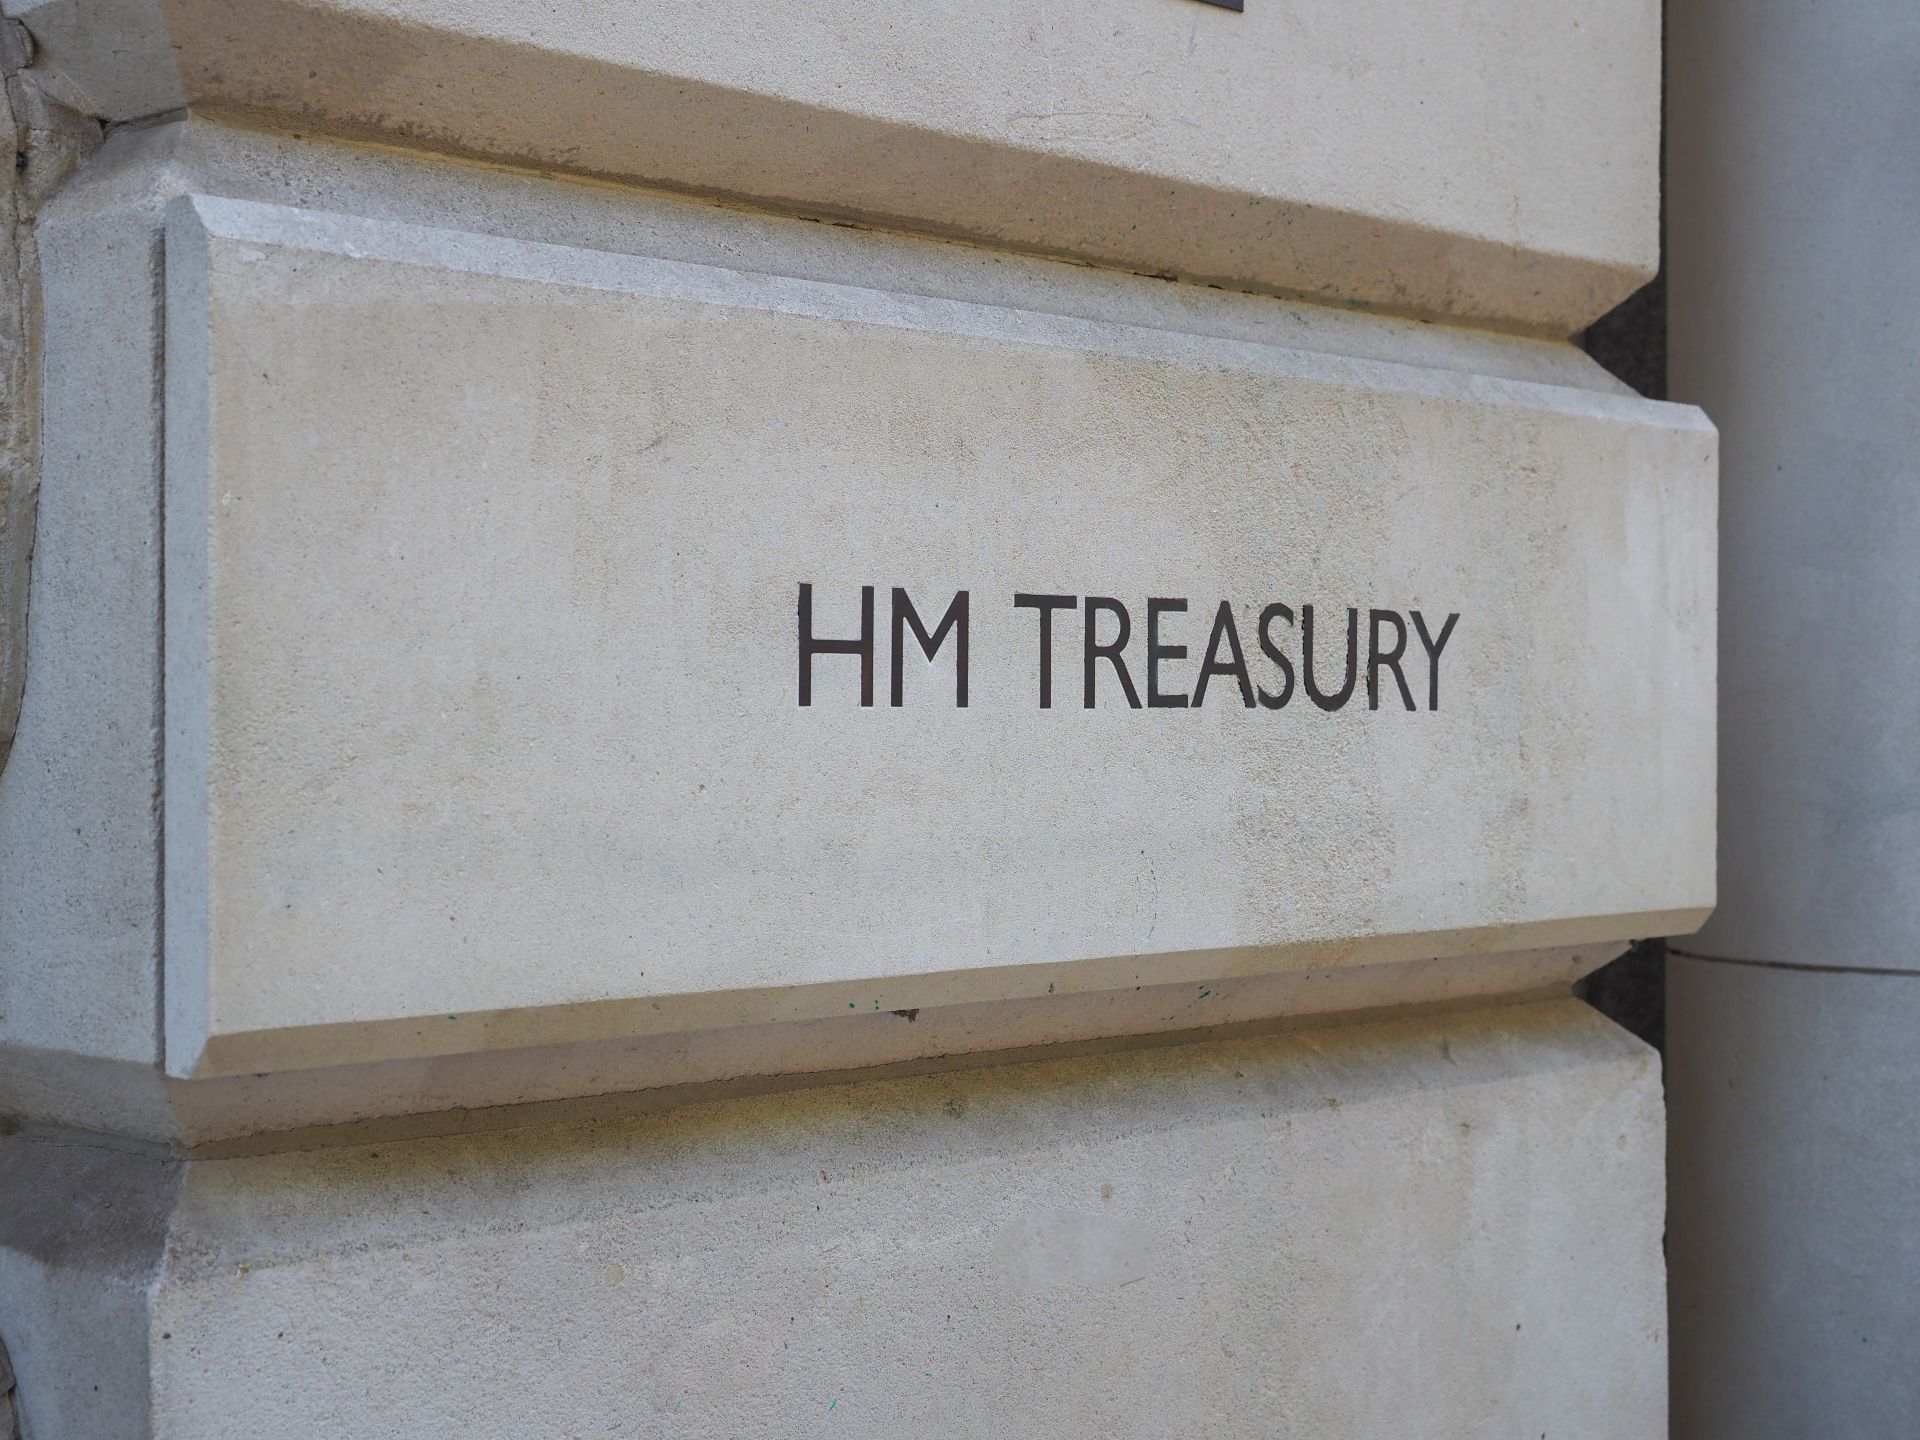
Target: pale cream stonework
(1370,409)
(482,564)
(1429,1228)
(1497,165)
(411,667)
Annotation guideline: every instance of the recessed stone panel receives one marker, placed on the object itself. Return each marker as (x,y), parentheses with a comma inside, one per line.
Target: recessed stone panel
(491,715)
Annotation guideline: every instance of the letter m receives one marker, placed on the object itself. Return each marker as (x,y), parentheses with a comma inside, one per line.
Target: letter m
(955,620)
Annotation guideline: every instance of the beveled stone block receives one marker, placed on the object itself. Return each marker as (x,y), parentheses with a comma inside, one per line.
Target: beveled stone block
(492,715)
(883,1257)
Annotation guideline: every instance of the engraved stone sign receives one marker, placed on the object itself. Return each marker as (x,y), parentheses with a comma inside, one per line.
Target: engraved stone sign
(566,643)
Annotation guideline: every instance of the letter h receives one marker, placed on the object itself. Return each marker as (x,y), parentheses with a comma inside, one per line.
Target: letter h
(810,647)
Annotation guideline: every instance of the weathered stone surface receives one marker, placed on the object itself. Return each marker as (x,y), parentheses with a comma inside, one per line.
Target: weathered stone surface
(1212,1239)
(82,1230)
(79,823)
(483,560)
(18,407)
(1497,163)
(78,829)
(46,141)
(79,913)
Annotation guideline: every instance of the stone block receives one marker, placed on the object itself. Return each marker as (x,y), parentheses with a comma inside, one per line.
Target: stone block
(496,712)
(1496,164)
(81,954)
(1447,1227)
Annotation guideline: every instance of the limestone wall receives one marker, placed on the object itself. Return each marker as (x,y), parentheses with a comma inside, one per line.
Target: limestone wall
(744,721)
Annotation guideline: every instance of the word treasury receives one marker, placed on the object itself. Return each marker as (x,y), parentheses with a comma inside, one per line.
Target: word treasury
(1246,660)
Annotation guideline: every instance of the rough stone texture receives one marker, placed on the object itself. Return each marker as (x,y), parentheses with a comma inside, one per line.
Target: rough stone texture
(1432,1227)
(1496,164)
(46,141)
(18,404)
(79,827)
(9,1415)
(81,1236)
(486,704)
(1795,1172)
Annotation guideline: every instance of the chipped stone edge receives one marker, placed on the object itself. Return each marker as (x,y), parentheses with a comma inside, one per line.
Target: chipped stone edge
(50,141)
